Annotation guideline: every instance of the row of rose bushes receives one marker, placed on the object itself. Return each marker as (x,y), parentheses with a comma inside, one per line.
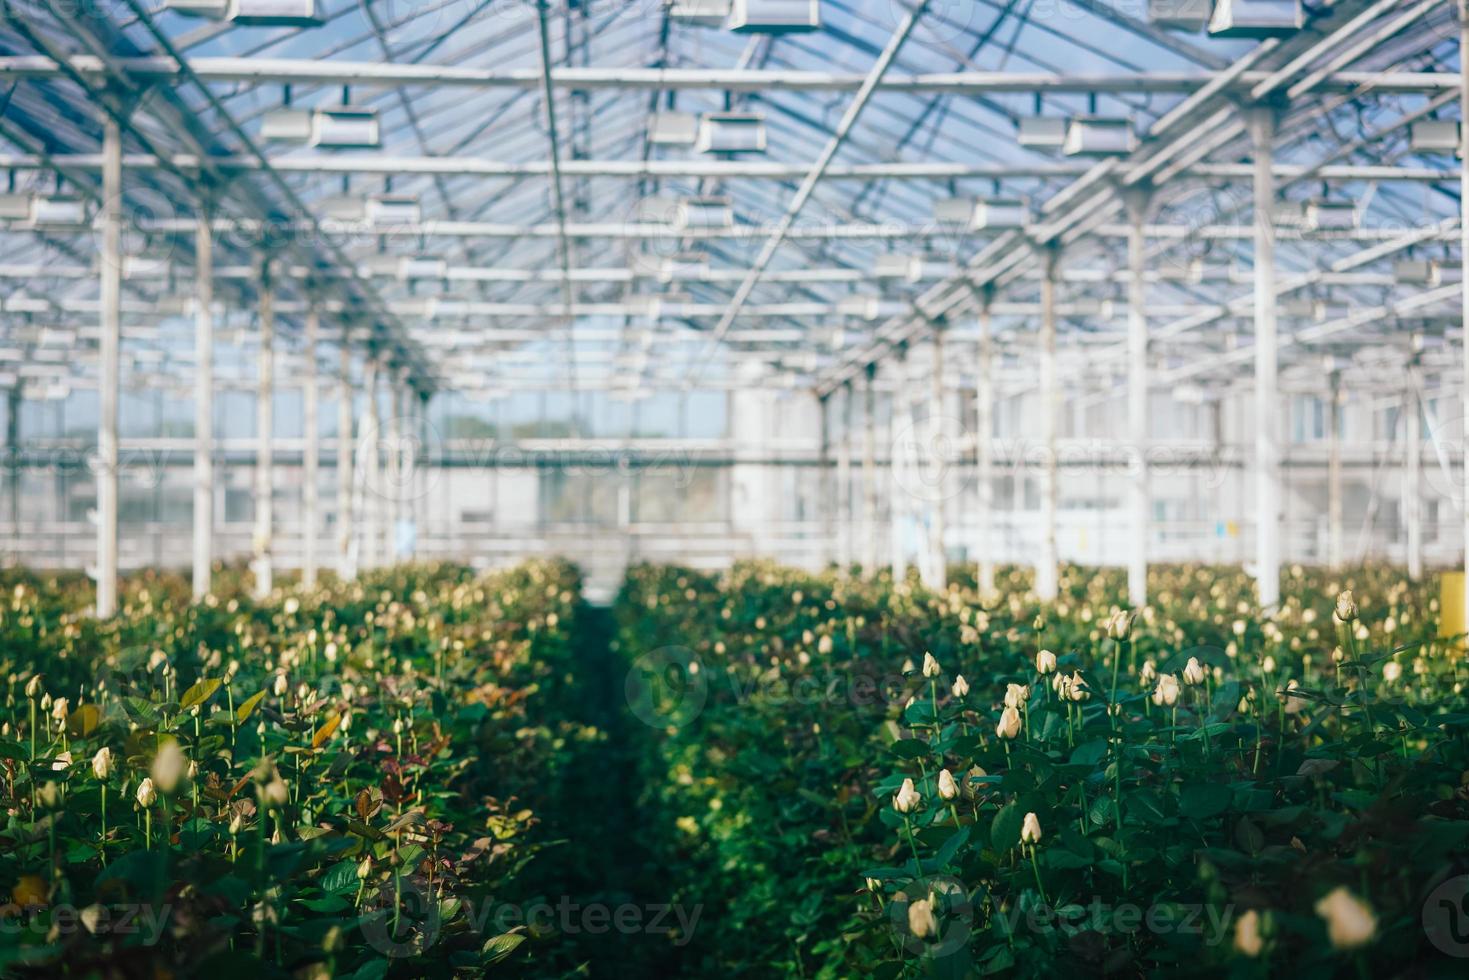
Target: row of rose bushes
(862,778)
(345,781)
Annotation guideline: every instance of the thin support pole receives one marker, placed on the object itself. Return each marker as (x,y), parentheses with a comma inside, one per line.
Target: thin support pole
(1267,367)
(346,541)
(1413,475)
(265,444)
(844,484)
(111,324)
(393,481)
(1464,265)
(824,490)
(984,450)
(368,468)
(869,474)
(900,435)
(1334,535)
(311,461)
(1047,573)
(1137,400)
(938,450)
(203,407)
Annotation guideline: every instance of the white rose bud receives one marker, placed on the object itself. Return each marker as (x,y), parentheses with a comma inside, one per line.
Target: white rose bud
(1030,829)
(961,686)
(931,666)
(1193,671)
(1045,662)
(60,708)
(168,767)
(33,686)
(281,685)
(907,799)
(921,921)
(1350,922)
(1009,725)
(1247,939)
(1016,695)
(102,763)
(147,795)
(1077,688)
(948,789)
(1346,610)
(1165,695)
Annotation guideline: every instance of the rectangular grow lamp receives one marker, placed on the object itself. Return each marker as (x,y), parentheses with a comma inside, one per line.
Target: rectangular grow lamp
(392,209)
(731,132)
(1434,136)
(214,9)
(58,211)
(1000,213)
(775,16)
(416,267)
(703,213)
(1180,15)
(706,13)
(954,211)
(673,129)
(685,265)
(1099,136)
(274,13)
(1331,215)
(345,127)
(344,209)
(292,125)
(1041,132)
(931,267)
(893,266)
(1416,272)
(15,207)
(862,307)
(1256,18)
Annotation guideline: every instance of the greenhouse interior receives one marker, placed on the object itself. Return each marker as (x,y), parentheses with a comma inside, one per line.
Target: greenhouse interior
(734,488)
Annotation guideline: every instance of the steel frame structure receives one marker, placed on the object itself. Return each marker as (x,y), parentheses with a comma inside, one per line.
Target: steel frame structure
(516,137)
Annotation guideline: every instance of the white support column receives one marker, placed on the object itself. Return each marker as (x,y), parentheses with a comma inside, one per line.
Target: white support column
(825,493)
(265,444)
(111,325)
(1267,437)
(984,446)
(1464,269)
(844,484)
(393,462)
(1413,473)
(346,543)
(869,475)
(311,460)
(1137,400)
(203,407)
(1334,532)
(938,459)
(900,432)
(1048,567)
(372,533)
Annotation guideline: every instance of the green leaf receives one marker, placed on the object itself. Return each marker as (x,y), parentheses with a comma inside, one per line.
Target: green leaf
(199,693)
(83,721)
(1089,753)
(501,946)
(1203,800)
(245,710)
(340,877)
(910,748)
(1005,831)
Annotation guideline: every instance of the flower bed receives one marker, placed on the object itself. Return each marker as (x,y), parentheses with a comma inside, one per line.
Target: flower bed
(876,780)
(316,785)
